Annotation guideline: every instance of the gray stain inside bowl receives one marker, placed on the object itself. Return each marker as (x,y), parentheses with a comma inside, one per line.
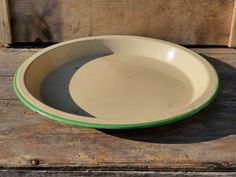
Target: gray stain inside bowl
(55,91)
(158,84)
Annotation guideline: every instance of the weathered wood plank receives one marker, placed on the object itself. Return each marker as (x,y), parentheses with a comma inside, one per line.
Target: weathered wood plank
(6,88)
(5,26)
(11,58)
(205,142)
(183,21)
(54,173)
(214,50)
(232,37)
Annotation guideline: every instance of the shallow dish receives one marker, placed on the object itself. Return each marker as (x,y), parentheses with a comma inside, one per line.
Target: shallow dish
(116,82)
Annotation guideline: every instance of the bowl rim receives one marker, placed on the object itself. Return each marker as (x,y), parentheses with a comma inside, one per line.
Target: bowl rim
(116,126)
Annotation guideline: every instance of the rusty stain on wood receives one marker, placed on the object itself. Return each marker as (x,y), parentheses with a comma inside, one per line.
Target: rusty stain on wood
(226,164)
(35,162)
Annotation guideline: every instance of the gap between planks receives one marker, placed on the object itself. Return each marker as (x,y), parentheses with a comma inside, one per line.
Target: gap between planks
(108,173)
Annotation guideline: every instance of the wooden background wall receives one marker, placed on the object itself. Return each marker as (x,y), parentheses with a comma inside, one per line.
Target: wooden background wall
(192,22)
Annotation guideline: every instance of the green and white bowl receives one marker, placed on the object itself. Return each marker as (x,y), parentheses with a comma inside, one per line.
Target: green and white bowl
(116,82)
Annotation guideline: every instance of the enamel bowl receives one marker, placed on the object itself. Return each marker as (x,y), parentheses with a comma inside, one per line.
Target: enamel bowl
(116,82)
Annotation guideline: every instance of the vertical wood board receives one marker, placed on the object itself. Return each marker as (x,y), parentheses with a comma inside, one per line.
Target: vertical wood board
(5,27)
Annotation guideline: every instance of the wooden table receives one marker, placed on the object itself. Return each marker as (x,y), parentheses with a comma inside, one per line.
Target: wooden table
(204,144)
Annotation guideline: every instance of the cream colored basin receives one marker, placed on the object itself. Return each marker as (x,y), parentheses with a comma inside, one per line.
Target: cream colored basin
(116,82)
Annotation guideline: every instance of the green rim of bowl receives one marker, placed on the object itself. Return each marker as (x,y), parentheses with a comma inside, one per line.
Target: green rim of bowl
(117,126)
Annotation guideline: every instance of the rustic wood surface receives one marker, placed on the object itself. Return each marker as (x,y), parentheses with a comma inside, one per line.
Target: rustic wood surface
(205,142)
(184,21)
(5,25)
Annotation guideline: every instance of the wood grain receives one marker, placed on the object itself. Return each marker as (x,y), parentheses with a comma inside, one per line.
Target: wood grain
(214,50)
(5,26)
(97,173)
(232,37)
(10,59)
(183,21)
(204,142)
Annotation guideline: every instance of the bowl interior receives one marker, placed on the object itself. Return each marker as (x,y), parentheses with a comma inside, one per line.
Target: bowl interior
(123,86)
(118,80)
